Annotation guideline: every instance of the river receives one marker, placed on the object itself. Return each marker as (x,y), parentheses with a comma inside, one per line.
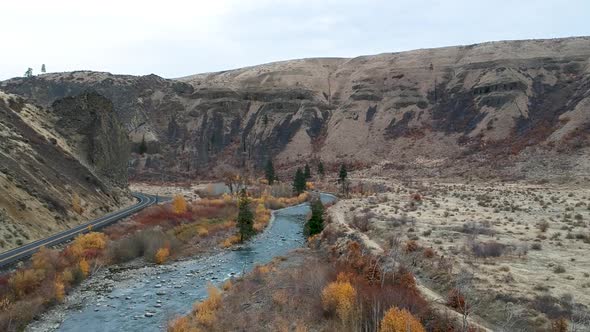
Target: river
(146,298)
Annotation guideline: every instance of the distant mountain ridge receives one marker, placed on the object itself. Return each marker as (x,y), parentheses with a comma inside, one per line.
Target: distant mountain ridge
(510,108)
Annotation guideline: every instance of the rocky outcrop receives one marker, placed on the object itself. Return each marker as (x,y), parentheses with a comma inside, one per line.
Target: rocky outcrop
(486,105)
(90,125)
(46,185)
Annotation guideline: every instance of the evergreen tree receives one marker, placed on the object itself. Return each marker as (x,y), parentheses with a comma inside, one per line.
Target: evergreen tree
(270,172)
(299,182)
(307,172)
(342,175)
(321,170)
(142,146)
(29,72)
(315,224)
(245,216)
(43,69)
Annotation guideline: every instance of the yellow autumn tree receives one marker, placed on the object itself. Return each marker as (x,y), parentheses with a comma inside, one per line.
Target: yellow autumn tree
(339,297)
(77,204)
(162,255)
(179,204)
(396,320)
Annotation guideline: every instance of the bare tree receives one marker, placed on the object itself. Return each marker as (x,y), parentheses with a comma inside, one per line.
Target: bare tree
(512,315)
(470,301)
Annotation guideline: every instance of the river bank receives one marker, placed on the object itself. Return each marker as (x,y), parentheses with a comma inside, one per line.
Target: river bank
(136,296)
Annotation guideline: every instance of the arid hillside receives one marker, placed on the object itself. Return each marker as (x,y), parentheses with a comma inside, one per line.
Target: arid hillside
(58,168)
(514,109)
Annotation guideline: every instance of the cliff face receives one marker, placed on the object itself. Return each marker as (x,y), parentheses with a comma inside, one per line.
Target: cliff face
(43,173)
(493,107)
(88,120)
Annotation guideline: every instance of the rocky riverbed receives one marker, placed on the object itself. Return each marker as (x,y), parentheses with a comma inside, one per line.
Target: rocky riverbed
(142,297)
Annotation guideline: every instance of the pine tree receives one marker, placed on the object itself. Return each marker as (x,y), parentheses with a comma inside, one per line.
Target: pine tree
(245,216)
(307,172)
(43,69)
(321,170)
(315,224)
(270,172)
(342,174)
(299,182)
(29,72)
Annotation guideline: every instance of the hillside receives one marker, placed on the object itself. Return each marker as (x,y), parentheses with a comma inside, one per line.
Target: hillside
(51,161)
(513,108)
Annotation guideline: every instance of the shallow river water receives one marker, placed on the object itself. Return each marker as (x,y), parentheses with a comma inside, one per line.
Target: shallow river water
(147,299)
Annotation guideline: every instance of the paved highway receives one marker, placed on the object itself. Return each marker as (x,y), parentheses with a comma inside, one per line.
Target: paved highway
(29,249)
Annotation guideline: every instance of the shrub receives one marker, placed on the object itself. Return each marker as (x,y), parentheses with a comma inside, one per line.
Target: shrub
(59,288)
(456,300)
(488,249)
(162,255)
(543,226)
(227,285)
(205,312)
(24,282)
(179,204)
(411,246)
(88,245)
(338,297)
(559,325)
(182,324)
(84,267)
(536,246)
(559,269)
(230,241)
(396,320)
(143,243)
(77,204)
(429,253)
(361,221)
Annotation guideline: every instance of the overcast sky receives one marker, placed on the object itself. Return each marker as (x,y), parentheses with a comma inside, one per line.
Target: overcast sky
(174,38)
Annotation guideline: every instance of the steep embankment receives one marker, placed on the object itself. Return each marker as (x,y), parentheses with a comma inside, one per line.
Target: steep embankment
(500,108)
(57,168)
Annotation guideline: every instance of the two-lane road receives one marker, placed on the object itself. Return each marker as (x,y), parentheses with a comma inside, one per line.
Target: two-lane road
(30,248)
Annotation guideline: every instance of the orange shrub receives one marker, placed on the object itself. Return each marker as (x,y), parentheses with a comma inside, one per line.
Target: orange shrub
(339,297)
(202,231)
(84,267)
(92,240)
(179,204)
(59,287)
(230,241)
(396,320)
(182,324)
(227,285)
(205,312)
(162,255)
(23,282)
